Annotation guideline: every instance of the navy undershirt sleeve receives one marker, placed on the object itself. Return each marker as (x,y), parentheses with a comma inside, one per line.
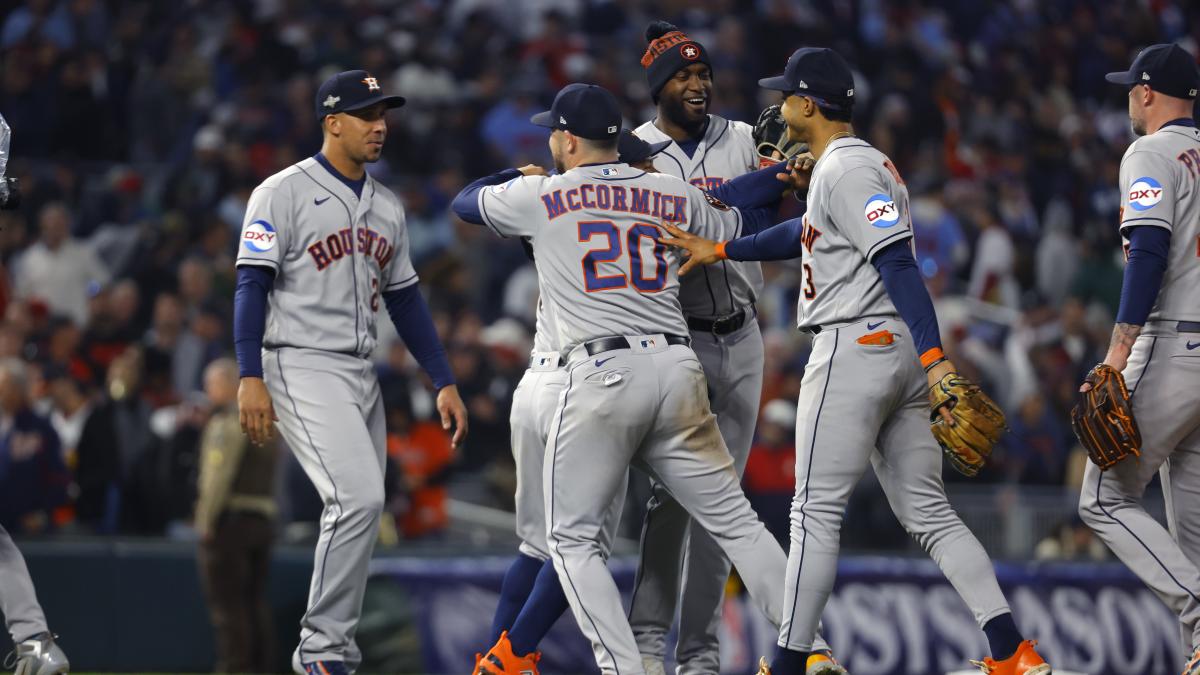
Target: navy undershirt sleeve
(754,189)
(466,203)
(410,314)
(778,242)
(902,280)
(1148,248)
(250,317)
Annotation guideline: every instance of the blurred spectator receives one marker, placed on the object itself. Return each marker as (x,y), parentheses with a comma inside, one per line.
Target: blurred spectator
(57,269)
(113,451)
(71,407)
(235,513)
(424,459)
(770,478)
(33,478)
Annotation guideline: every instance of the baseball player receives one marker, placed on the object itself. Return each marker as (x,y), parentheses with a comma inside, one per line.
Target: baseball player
(707,151)
(1156,340)
(323,246)
(531,597)
(863,398)
(635,392)
(36,652)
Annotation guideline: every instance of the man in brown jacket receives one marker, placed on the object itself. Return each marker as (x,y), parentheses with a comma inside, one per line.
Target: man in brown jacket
(235,513)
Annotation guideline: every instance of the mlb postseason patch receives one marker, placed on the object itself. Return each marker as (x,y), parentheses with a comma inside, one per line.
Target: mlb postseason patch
(259,236)
(714,202)
(881,211)
(497,189)
(1145,193)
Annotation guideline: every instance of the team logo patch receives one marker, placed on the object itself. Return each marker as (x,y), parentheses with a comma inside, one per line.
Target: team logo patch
(689,51)
(259,236)
(881,211)
(372,83)
(1145,193)
(716,203)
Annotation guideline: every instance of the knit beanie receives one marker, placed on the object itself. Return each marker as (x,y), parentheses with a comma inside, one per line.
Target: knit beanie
(669,51)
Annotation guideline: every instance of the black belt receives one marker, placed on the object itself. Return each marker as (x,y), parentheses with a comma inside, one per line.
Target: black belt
(1188,327)
(607,344)
(722,326)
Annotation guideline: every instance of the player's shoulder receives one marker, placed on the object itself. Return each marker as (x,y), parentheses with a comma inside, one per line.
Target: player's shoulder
(289,178)
(1167,142)
(650,133)
(722,131)
(848,156)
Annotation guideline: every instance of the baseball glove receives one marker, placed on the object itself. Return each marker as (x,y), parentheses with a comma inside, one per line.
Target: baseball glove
(978,422)
(771,137)
(1103,420)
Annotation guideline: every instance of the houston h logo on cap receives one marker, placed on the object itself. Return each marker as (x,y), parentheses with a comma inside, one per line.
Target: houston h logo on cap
(372,83)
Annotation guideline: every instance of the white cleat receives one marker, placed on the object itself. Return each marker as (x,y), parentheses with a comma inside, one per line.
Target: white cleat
(653,666)
(39,655)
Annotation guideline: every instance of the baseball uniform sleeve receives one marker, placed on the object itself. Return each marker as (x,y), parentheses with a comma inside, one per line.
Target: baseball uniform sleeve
(869,210)
(264,229)
(1147,187)
(400,270)
(710,217)
(509,208)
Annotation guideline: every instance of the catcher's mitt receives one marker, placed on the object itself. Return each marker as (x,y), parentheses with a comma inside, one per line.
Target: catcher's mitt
(978,422)
(1103,420)
(771,137)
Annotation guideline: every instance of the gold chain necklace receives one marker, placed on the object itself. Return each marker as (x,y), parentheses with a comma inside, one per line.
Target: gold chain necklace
(840,134)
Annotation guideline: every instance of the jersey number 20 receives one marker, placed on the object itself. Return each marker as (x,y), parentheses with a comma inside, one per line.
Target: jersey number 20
(594,281)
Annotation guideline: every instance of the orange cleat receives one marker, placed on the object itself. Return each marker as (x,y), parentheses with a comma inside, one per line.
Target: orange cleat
(1025,661)
(823,663)
(500,660)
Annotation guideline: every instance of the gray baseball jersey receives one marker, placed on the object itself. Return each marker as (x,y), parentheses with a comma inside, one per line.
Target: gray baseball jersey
(643,399)
(863,400)
(1159,185)
(857,205)
(1159,189)
(333,254)
(726,152)
(604,273)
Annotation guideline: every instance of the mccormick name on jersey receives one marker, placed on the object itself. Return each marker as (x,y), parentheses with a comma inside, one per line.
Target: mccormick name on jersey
(604,197)
(341,243)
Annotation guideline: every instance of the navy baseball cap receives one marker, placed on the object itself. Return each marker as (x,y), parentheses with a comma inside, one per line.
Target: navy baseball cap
(631,149)
(586,110)
(818,72)
(1167,68)
(352,90)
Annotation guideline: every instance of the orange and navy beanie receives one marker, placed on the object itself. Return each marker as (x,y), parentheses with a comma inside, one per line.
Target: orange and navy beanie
(669,50)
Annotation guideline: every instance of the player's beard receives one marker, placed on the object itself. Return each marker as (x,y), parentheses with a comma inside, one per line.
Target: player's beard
(1138,126)
(675,111)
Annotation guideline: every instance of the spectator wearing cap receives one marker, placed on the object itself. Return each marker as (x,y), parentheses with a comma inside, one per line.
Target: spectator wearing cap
(59,269)
(33,477)
(770,478)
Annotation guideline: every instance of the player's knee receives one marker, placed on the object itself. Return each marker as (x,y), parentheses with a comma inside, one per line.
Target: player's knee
(1089,509)
(366,503)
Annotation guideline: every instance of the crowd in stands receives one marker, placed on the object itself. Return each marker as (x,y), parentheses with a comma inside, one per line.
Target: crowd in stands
(140,128)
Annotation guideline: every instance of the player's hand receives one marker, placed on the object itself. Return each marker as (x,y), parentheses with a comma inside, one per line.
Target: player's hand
(701,251)
(1117,359)
(255,410)
(450,407)
(934,376)
(532,170)
(799,173)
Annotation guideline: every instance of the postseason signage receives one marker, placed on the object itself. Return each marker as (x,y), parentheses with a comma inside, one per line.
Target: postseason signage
(886,617)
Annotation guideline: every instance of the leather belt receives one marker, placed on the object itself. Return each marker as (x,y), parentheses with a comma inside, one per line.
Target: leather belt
(1188,327)
(607,344)
(722,326)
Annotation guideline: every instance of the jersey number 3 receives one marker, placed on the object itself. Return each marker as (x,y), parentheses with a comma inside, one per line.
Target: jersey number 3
(612,252)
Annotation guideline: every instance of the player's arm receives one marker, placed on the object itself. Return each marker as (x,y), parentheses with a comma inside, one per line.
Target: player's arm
(410,315)
(469,204)
(260,254)
(1147,219)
